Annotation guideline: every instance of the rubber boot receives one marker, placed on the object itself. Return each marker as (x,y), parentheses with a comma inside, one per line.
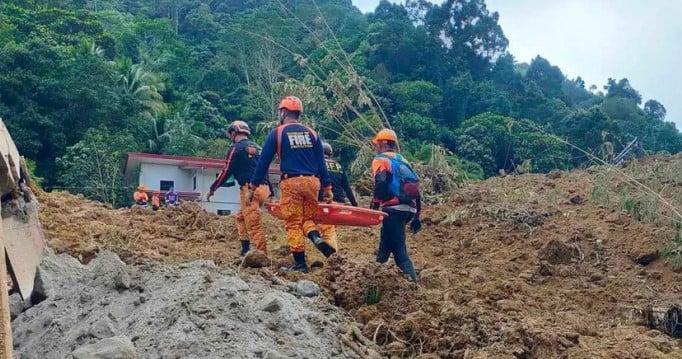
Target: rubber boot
(246,245)
(408,268)
(299,263)
(320,244)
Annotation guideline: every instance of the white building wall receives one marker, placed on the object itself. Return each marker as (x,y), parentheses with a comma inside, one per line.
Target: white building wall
(152,174)
(225,198)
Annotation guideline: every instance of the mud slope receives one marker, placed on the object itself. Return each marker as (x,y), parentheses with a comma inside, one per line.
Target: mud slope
(531,266)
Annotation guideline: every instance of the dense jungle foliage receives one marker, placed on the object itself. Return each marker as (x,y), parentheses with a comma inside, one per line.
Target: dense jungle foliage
(84,81)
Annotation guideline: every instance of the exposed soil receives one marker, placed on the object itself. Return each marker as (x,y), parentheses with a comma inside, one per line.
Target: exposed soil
(529,266)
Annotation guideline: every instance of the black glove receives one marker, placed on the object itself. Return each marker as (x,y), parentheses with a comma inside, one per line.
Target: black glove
(416,225)
(374,205)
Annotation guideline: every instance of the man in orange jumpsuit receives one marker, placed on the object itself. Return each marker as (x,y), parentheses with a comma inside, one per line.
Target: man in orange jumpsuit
(303,168)
(140,197)
(242,158)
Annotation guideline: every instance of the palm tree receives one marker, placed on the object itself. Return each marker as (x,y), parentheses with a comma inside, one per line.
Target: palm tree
(144,87)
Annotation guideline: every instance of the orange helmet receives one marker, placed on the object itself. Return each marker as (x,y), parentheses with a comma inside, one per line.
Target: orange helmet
(239,127)
(385,135)
(291,103)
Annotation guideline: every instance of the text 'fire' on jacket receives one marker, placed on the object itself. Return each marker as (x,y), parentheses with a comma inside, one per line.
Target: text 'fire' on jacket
(300,152)
(340,185)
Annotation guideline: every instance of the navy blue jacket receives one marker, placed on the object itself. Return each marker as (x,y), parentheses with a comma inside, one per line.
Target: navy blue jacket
(300,152)
(340,185)
(241,162)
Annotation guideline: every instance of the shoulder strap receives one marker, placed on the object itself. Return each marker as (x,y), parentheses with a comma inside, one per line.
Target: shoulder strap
(280,130)
(278,139)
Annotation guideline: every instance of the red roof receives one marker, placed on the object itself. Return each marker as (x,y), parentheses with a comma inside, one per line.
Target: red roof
(188,162)
(181,161)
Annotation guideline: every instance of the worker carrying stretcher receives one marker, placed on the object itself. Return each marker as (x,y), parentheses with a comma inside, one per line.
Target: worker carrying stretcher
(241,161)
(303,169)
(340,190)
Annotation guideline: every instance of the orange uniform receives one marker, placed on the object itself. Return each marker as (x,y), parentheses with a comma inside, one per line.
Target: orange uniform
(248,218)
(140,196)
(299,207)
(242,158)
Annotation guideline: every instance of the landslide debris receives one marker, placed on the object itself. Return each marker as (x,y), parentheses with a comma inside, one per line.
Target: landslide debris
(529,266)
(190,310)
(83,228)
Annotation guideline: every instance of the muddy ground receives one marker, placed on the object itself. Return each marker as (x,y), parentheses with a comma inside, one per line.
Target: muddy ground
(529,266)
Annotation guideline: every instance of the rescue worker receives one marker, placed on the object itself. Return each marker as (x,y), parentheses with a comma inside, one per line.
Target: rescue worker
(140,196)
(340,189)
(156,201)
(303,169)
(396,192)
(241,161)
(172,198)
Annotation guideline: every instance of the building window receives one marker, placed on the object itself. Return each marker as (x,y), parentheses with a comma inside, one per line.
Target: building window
(224,212)
(194,183)
(166,185)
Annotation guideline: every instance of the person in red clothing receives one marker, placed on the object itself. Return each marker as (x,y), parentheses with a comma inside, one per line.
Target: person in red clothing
(241,162)
(396,192)
(303,169)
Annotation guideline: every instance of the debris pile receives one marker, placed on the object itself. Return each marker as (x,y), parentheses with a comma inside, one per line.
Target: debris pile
(192,310)
(535,266)
(83,228)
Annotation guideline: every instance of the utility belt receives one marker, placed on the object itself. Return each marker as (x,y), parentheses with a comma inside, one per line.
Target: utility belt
(287,175)
(265,183)
(395,205)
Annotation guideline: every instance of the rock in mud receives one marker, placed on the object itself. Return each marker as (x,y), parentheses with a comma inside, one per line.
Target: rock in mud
(645,258)
(477,275)
(274,355)
(269,303)
(433,278)
(554,174)
(16,305)
(256,259)
(102,329)
(545,269)
(577,199)
(108,269)
(110,348)
(53,274)
(557,252)
(307,288)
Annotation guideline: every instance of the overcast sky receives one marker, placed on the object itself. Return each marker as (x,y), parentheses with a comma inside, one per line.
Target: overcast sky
(597,39)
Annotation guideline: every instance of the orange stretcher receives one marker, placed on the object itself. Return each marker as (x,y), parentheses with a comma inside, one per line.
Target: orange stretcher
(338,214)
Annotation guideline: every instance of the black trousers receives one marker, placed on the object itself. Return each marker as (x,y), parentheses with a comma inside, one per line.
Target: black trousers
(393,241)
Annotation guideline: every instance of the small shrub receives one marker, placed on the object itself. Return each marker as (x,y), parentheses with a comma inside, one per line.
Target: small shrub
(601,193)
(641,206)
(673,250)
(372,294)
